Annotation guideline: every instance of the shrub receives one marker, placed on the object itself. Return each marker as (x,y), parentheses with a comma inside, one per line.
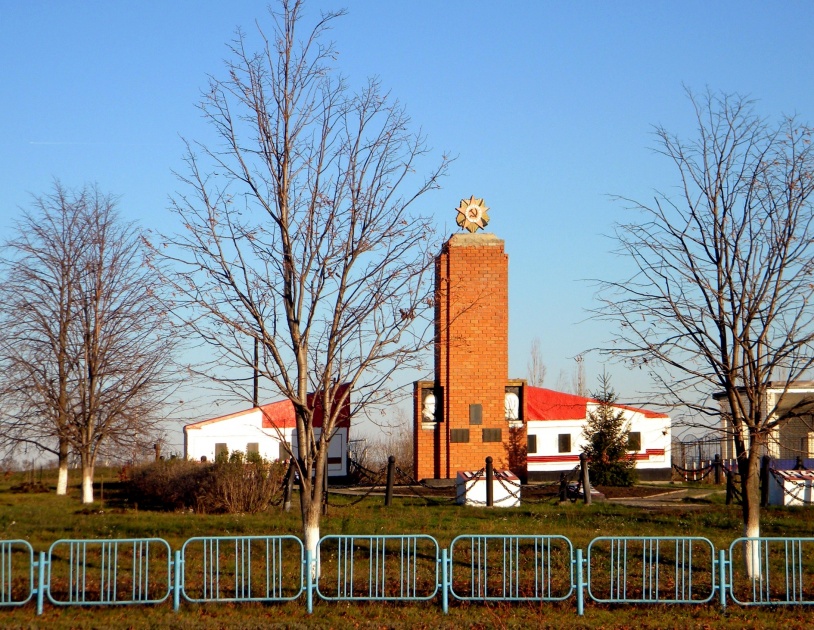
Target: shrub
(241,485)
(234,484)
(170,484)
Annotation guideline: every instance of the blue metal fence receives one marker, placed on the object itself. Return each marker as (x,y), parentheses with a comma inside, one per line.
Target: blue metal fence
(510,568)
(120,571)
(383,568)
(771,571)
(659,569)
(16,572)
(242,568)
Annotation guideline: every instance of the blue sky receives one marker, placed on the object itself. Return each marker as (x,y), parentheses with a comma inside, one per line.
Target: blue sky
(548,106)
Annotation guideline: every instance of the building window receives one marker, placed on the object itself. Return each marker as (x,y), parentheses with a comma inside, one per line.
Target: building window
(221,451)
(564,443)
(253,447)
(532,444)
(458,436)
(634,441)
(492,435)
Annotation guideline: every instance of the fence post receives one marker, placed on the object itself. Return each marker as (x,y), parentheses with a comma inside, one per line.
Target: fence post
(325,488)
(717,463)
(586,480)
(40,582)
(391,472)
(764,480)
(563,487)
(444,581)
(580,585)
(289,486)
(490,478)
(722,578)
(176,581)
(730,486)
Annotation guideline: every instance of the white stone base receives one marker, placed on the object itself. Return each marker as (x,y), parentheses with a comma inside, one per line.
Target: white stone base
(471,489)
(791,487)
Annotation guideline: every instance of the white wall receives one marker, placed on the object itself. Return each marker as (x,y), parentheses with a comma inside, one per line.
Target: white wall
(238,431)
(654,452)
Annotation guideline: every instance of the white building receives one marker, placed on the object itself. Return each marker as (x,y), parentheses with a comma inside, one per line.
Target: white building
(263,430)
(791,406)
(555,421)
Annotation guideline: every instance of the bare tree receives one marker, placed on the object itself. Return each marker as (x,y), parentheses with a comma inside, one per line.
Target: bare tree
(38,313)
(124,376)
(536,368)
(88,349)
(297,235)
(574,382)
(580,387)
(721,299)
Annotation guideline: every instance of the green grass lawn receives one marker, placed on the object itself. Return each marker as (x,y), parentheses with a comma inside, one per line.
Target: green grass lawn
(42,518)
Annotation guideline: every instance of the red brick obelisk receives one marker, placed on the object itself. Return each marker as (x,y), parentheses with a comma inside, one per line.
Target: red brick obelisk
(471,360)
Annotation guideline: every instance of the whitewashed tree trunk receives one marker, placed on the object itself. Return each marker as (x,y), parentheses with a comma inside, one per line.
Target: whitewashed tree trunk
(751,551)
(751,515)
(87,484)
(311,534)
(62,478)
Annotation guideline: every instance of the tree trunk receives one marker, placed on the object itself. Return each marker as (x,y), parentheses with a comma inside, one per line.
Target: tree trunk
(62,477)
(311,505)
(87,483)
(750,490)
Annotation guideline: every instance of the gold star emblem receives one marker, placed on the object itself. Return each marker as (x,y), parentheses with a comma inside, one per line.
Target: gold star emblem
(472,214)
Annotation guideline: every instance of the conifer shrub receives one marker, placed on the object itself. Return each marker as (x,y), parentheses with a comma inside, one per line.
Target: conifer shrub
(607,434)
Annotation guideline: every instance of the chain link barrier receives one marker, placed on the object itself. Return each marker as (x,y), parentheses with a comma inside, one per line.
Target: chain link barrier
(372,475)
(704,472)
(415,486)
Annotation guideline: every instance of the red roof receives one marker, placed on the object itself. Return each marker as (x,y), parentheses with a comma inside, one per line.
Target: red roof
(546,404)
(280,414)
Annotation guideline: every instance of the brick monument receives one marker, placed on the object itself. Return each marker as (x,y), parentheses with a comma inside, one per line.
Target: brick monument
(471,410)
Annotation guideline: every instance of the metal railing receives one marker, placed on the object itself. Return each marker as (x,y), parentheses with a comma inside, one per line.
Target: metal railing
(242,569)
(16,572)
(120,571)
(383,568)
(659,569)
(509,568)
(771,571)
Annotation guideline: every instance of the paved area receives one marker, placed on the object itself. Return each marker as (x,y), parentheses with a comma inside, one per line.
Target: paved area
(674,499)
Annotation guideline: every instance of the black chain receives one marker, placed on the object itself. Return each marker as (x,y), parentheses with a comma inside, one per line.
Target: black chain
(705,472)
(799,485)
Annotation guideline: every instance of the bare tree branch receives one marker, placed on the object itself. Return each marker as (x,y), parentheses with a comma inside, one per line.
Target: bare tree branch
(85,361)
(721,298)
(297,235)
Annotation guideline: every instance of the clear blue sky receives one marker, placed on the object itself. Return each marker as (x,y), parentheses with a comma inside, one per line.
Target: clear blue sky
(548,105)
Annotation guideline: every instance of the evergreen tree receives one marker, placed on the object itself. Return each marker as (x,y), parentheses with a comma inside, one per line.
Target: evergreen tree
(606,434)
